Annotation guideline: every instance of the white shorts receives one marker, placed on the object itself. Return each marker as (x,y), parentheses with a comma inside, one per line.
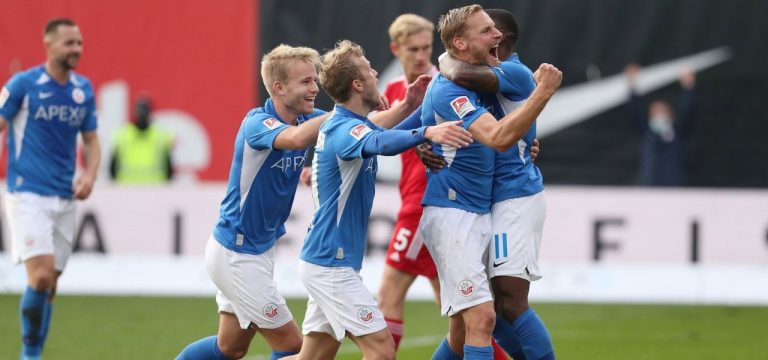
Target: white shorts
(458,242)
(246,286)
(516,240)
(40,225)
(338,302)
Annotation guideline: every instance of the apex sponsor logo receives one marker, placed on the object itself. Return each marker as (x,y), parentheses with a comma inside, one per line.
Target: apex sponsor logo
(288,163)
(359,131)
(74,115)
(461,106)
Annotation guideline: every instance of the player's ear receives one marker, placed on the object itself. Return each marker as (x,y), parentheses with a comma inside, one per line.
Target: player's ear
(459,43)
(357,85)
(277,88)
(394,48)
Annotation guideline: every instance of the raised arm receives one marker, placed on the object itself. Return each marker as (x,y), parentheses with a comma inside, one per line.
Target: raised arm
(393,142)
(474,77)
(504,133)
(299,137)
(414,95)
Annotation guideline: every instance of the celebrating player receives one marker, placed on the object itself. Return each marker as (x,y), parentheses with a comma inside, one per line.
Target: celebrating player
(518,210)
(456,223)
(46,107)
(343,177)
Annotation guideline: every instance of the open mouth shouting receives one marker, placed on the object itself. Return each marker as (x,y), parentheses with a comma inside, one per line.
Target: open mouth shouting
(493,55)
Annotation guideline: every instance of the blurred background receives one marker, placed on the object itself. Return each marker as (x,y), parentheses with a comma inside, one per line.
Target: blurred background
(612,236)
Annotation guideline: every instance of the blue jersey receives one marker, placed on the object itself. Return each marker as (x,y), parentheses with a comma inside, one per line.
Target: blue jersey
(262,184)
(466,181)
(343,189)
(44,118)
(515,175)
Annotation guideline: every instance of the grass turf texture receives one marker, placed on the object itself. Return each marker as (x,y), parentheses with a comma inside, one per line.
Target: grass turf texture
(94,327)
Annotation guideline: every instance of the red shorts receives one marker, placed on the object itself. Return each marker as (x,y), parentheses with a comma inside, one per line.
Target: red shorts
(406,251)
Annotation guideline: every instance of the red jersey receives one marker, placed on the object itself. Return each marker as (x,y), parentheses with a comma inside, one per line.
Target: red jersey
(413,180)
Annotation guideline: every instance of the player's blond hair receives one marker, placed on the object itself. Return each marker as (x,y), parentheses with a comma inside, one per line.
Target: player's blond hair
(338,69)
(408,24)
(275,64)
(454,24)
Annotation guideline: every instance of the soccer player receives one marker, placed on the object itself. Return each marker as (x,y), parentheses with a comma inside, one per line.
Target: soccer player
(269,154)
(518,205)
(343,177)
(411,42)
(456,223)
(44,109)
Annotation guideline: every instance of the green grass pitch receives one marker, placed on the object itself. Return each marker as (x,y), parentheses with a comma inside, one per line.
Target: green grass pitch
(95,327)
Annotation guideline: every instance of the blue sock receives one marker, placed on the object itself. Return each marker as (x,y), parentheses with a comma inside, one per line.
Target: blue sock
(47,313)
(505,336)
(534,337)
(281,354)
(32,309)
(444,352)
(203,349)
(478,352)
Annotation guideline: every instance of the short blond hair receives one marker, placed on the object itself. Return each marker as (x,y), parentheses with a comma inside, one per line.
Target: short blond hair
(275,64)
(338,69)
(408,24)
(454,24)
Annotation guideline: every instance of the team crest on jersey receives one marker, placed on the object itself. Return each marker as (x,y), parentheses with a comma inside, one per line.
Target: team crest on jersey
(365,314)
(466,288)
(359,131)
(78,95)
(271,123)
(271,311)
(461,106)
(4,94)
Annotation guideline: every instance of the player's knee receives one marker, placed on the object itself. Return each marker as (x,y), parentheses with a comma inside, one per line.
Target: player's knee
(510,307)
(43,279)
(233,351)
(481,321)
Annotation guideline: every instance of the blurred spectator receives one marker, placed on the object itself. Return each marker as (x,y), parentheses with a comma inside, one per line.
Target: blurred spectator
(664,132)
(142,153)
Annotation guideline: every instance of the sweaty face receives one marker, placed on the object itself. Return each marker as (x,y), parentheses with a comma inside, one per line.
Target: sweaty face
(482,39)
(301,87)
(371,97)
(415,54)
(65,46)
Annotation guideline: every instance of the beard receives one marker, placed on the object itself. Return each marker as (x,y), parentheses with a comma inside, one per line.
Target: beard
(68,62)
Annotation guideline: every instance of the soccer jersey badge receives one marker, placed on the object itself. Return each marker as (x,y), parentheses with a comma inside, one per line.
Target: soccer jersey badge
(359,131)
(466,288)
(271,123)
(78,95)
(365,314)
(461,106)
(271,311)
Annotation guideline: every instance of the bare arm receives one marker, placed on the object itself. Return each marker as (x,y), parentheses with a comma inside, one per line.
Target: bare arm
(299,137)
(3,122)
(414,95)
(502,134)
(92,152)
(474,77)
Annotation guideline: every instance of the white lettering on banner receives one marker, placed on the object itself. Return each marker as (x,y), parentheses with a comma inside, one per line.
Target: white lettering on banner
(584,225)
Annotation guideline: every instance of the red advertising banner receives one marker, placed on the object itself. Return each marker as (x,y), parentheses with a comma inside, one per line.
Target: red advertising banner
(196,60)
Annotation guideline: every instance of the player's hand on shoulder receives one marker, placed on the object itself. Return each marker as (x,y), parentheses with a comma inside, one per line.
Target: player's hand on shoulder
(548,77)
(83,187)
(449,133)
(429,158)
(383,103)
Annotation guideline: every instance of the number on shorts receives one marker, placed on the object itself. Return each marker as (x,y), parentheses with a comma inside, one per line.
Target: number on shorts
(503,244)
(401,240)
